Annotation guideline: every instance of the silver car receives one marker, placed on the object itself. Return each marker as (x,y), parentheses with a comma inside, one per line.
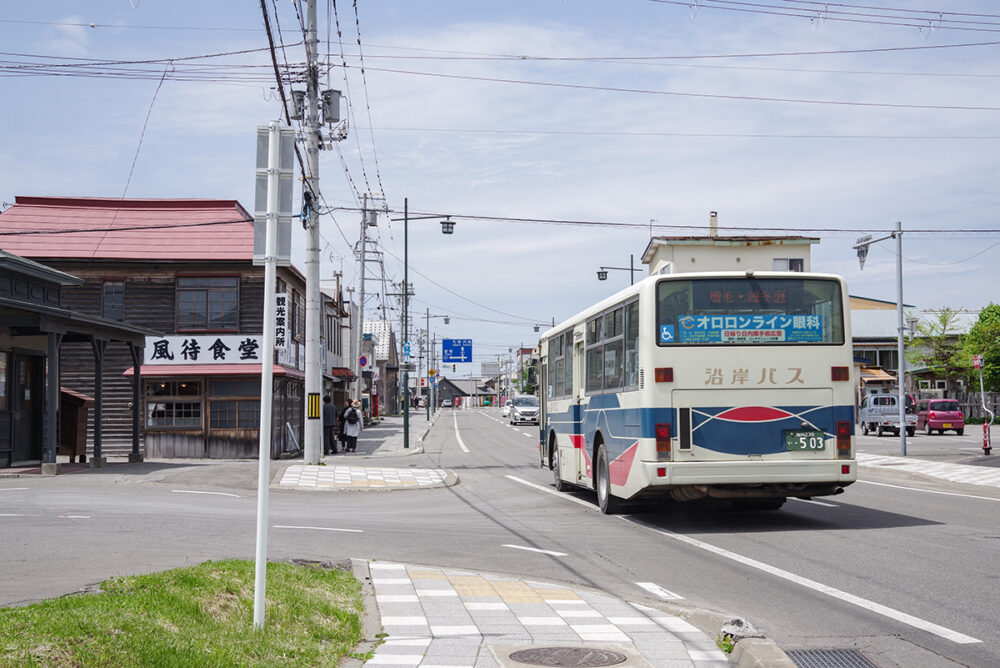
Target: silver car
(524,408)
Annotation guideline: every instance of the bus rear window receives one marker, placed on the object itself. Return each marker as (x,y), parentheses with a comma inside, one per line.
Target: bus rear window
(749,311)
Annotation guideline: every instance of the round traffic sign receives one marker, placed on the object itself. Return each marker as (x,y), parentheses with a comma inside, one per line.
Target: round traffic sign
(363,361)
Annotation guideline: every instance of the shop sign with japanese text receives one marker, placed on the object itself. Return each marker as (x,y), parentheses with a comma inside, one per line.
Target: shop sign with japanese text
(203,349)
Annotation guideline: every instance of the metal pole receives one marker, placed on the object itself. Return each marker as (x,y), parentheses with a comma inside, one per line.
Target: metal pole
(359,335)
(430,362)
(631,269)
(406,305)
(901,373)
(266,375)
(313,436)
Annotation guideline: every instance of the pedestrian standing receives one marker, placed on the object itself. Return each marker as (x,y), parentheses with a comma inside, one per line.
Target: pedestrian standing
(350,429)
(329,427)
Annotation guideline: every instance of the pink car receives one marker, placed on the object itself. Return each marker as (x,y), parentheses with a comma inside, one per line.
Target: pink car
(940,414)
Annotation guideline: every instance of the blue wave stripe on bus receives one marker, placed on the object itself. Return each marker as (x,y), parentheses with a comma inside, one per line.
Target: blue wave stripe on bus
(621,427)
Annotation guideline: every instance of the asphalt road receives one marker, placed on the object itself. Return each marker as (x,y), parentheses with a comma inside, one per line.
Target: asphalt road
(905,573)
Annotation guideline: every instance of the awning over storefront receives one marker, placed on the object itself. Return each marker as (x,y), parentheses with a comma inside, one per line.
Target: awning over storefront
(342,373)
(168,370)
(870,375)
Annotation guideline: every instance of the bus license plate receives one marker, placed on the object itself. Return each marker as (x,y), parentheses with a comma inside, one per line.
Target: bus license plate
(805,440)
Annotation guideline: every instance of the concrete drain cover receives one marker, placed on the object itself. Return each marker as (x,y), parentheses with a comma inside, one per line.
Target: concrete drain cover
(568,657)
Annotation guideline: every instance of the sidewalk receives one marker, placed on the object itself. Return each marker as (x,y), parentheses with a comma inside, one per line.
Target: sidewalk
(442,617)
(359,470)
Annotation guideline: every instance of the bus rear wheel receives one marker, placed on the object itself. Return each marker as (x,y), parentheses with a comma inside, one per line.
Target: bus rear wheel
(607,502)
(555,463)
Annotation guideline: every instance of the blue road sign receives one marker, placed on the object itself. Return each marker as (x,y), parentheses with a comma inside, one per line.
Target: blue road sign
(456,350)
(406,350)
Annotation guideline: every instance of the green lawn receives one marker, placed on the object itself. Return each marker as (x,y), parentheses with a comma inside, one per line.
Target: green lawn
(200,616)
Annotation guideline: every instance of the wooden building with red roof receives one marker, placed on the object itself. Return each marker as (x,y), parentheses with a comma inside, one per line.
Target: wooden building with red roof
(183,267)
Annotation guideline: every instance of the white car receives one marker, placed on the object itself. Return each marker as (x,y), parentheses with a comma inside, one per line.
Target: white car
(506,410)
(524,409)
(446,403)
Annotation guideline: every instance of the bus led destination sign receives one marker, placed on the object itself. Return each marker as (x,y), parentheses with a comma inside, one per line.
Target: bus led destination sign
(750,328)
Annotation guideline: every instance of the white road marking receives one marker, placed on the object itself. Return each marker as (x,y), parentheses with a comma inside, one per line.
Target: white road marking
(878,608)
(816,503)
(548,490)
(14,489)
(928,491)
(657,590)
(461,443)
(74,517)
(194,491)
(535,549)
(524,433)
(295,526)
(11,515)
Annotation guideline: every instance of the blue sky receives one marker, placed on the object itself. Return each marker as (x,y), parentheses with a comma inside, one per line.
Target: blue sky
(568,110)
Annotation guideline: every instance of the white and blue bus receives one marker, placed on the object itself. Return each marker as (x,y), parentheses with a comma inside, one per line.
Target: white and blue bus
(730,385)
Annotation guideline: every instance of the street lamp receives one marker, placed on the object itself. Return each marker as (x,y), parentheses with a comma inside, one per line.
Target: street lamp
(861,245)
(602,273)
(447,227)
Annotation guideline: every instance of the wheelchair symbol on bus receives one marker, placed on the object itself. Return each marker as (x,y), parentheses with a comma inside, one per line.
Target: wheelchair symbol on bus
(666,333)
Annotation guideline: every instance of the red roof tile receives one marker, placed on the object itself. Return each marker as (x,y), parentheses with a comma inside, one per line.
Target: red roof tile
(93,227)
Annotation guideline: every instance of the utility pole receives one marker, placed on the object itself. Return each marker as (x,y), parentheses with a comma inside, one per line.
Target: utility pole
(314,369)
(359,335)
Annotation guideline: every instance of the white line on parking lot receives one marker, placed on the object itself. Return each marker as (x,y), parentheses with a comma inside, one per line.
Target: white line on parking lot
(295,526)
(535,549)
(657,590)
(194,491)
(872,606)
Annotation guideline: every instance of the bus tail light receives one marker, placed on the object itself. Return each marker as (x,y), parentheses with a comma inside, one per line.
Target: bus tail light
(844,440)
(665,375)
(663,438)
(840,373)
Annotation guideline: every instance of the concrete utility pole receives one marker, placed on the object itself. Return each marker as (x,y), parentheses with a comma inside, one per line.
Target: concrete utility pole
(367,218)
(313,437)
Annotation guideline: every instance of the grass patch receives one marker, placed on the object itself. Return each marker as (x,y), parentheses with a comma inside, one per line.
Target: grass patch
(200,616)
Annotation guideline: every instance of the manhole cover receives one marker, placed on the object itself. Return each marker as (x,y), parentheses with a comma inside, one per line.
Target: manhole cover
(568,657)
(829,658)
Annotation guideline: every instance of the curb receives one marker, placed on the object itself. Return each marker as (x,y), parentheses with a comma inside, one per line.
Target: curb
(749,652)
(371,624)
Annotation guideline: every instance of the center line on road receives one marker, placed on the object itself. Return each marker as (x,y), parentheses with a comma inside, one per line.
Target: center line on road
(878,608)
(535,549)
(296,526)
(461,443)
(13,489)
(194,491)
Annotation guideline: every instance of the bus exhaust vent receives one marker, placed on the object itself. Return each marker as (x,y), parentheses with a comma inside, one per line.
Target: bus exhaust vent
(642,378)
(829,658)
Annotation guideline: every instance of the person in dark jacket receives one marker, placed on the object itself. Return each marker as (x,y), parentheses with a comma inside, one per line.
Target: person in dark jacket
(329,427)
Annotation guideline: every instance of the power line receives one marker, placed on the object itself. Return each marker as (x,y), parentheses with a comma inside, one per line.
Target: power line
(935,21)
(711,96)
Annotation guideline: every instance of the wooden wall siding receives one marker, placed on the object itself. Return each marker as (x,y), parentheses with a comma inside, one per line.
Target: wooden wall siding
(78,375)
(173,444)
(232,444)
